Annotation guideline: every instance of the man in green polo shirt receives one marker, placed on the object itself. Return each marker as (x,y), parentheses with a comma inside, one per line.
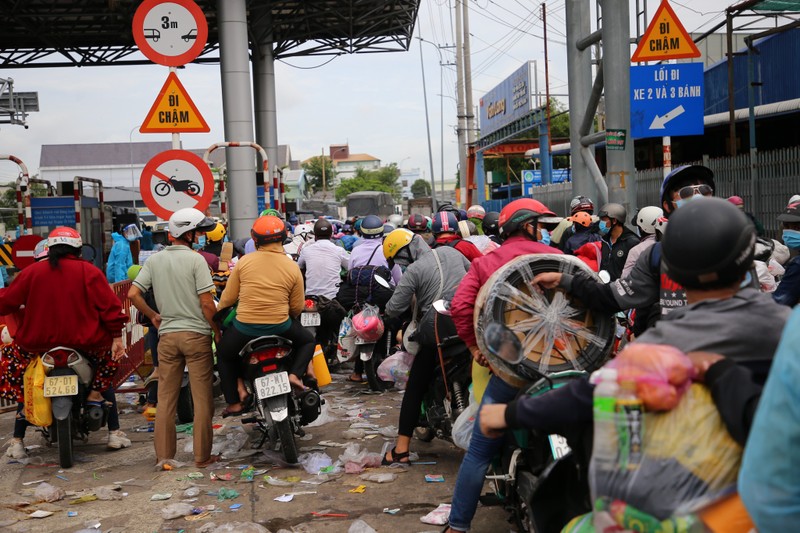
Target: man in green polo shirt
(182,285)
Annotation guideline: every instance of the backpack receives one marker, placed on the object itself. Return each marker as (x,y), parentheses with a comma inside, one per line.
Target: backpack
(150,300)
(220,277)
(364,276)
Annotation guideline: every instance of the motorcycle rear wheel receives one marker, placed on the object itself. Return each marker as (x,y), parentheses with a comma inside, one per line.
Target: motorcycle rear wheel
(286,437)
(371,370)
(424,434)
(64,433)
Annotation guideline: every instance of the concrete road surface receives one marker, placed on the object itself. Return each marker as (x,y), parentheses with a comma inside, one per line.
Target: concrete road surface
(133,472)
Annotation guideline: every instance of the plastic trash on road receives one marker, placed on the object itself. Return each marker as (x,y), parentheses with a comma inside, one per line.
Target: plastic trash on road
(384,477)
(240,527)
(314,462)
(46,492)
(437,517)
(359,526)
(355,459)
(176,510)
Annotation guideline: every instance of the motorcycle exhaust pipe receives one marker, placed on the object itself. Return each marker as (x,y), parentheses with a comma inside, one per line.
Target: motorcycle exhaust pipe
(309,407)
(95,417)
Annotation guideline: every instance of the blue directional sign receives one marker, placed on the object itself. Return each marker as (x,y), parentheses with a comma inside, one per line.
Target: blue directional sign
(667,100)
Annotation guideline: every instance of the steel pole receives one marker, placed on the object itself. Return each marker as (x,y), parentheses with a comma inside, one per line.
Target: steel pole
(428,128)
(620,173)
(579,69)
(266,110)
(462,137)
(237,110)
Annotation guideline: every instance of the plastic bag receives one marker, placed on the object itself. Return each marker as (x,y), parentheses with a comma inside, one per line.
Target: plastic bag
(38,409)
(346,343)
(314,462)
(396,368)
(176,510)
(240,527)
(462,427)
(355,459)
(46,492)
(359,526)
(662,373)
(437,517)
(663,465)
(367,324)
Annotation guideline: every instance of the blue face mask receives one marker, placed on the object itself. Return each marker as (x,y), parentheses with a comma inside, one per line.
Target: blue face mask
(791,238)
(545,237)
(748,280)
(201,240)
(603,227)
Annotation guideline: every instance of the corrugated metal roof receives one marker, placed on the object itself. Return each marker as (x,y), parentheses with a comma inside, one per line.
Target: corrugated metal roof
(99,154)
(766,110)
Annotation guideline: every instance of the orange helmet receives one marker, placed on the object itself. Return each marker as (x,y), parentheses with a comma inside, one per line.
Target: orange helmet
(64,235)
(581,217)
(267,229)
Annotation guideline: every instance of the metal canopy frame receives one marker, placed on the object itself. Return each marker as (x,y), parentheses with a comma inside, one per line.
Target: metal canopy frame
(60,33)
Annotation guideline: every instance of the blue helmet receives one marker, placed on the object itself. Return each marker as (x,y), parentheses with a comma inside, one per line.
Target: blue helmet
(444,222)
(371,227)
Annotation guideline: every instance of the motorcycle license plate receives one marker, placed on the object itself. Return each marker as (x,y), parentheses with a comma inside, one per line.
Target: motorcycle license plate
(310,319)
(559,446)
(60,386)
(272,385)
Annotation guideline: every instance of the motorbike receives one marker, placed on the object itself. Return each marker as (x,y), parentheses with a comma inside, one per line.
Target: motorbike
(542,481)
(373,344)
(190,187)
(68,376)
(280,411)
(325,337)
(185,409)
(448,395)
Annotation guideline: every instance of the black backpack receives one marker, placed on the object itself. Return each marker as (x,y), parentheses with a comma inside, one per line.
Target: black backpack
(150,299)
(364,276)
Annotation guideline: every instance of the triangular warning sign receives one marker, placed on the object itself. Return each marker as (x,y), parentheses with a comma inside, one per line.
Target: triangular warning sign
(665,38)
(173,111)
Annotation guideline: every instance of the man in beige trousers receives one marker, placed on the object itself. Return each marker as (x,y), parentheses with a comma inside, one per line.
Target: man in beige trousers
(182,285)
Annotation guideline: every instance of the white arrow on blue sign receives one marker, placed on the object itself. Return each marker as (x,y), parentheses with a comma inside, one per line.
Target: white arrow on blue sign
(667,100)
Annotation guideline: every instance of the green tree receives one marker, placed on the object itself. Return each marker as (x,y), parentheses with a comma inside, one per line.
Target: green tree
(420,188)
(313,168)
(383,179)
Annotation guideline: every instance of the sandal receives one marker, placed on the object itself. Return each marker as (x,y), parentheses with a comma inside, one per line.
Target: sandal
(397,458)
(351,380)
(226,413)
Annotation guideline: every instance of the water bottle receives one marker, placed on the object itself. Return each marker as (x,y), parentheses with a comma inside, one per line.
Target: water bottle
(630,426)
(605,450)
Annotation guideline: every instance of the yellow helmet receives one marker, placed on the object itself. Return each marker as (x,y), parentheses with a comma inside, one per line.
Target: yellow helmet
(216,234)
(396,241)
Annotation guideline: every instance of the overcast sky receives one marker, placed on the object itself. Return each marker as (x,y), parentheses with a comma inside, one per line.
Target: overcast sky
(373,101)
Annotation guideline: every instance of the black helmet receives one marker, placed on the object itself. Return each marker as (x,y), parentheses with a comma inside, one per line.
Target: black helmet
(615,211)
(443,208)
(372,227)
(581,203)
(490,226)
(323,229)
(682,176)
(708,244)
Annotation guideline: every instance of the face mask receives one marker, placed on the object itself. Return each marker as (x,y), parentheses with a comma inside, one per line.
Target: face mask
(545,237)
(748,280)
(791,238)
(201,240)
(603,227)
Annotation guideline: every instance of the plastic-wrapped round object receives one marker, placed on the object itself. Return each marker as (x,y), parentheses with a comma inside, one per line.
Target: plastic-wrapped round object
(556,330)
(368,325)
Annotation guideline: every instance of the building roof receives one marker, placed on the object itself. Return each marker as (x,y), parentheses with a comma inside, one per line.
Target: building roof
(100,154)
(355,158)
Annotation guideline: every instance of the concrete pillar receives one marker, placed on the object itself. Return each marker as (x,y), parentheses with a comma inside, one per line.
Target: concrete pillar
(237,109)
(266,106)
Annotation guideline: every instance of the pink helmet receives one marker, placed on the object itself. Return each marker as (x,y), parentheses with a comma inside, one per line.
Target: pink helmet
(736,200)
(368,326)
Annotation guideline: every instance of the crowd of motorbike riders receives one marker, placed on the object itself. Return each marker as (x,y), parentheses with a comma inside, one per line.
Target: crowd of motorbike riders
(694,272)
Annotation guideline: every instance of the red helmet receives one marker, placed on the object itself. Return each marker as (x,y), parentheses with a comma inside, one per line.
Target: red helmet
(64,235)
(519,212)
(736,200)
(368,326)
(268,228)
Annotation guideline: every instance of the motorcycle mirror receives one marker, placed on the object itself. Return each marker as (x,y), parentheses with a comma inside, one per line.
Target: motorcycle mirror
(605,277)
(442,307)
(503,343)
(382,282)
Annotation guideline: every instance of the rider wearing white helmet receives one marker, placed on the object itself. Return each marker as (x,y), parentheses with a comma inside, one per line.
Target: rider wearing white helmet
(646,221)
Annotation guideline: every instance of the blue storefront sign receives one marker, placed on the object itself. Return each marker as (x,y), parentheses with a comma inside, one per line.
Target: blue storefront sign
(508,101)
(53,211)
(667,100)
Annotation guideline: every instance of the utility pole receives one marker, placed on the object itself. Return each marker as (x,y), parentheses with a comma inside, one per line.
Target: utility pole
(471,129)
(324,185)
(434,204)
(544,148)
(462,154)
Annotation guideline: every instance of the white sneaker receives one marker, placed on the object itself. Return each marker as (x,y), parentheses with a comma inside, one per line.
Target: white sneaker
(118,439)
(16,449)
